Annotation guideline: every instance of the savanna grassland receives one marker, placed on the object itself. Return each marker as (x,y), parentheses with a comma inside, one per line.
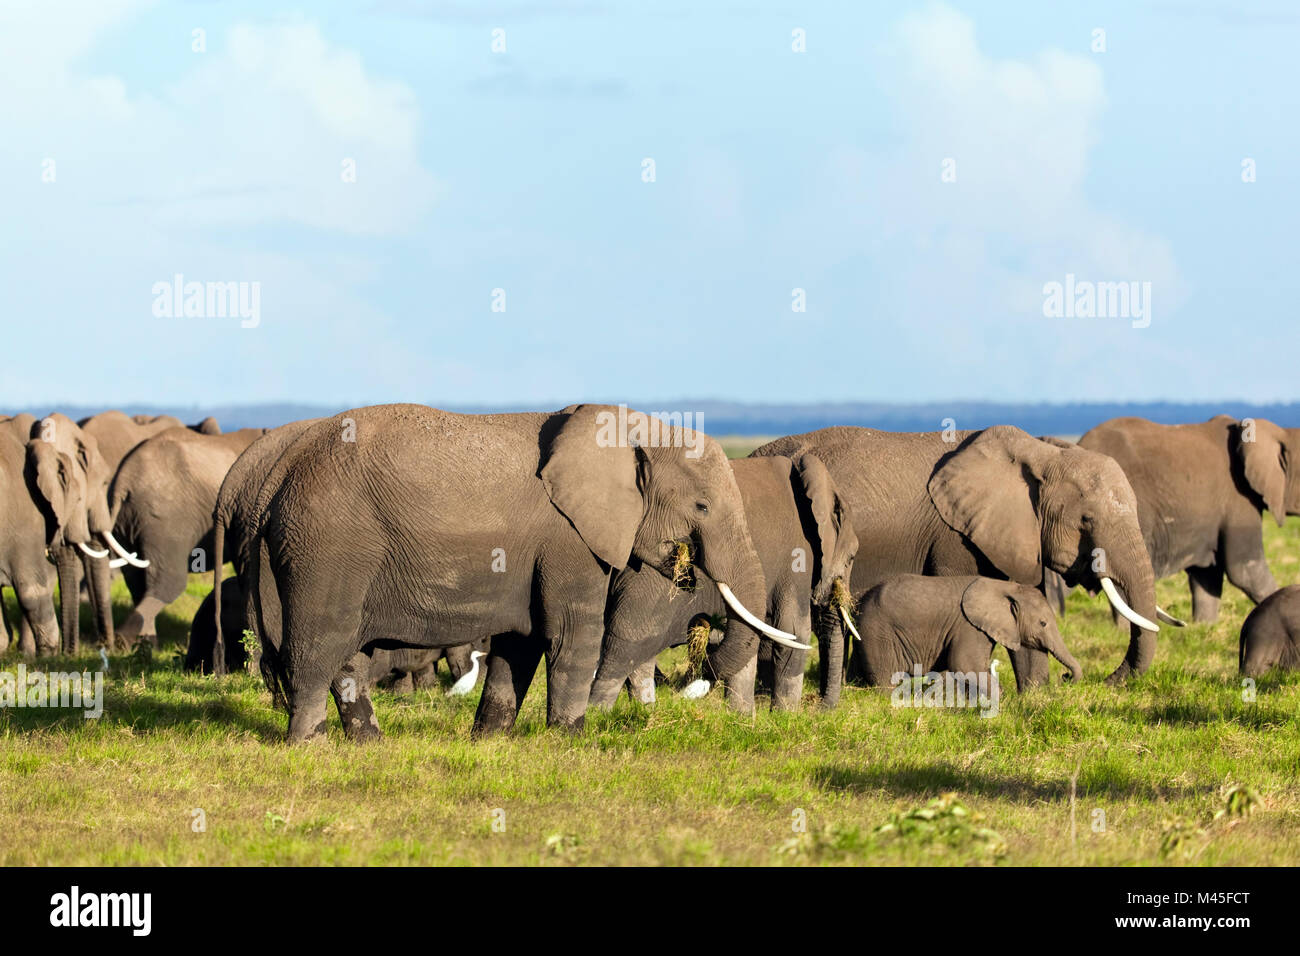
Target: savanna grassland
(1176,768)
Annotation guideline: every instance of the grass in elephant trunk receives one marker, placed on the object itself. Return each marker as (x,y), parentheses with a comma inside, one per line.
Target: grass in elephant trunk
(1181,767)
(697,647)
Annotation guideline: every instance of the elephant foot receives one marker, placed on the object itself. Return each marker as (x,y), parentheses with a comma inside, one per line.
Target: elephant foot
(403,685)
(604,692)
(567,722)
(788,695)
(494,717)
(307,721)
(361,729)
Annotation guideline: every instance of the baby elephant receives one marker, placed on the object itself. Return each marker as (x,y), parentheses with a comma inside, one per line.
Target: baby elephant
(1271,635)
(914,622)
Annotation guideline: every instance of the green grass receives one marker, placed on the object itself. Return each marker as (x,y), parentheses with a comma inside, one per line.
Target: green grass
(682,783)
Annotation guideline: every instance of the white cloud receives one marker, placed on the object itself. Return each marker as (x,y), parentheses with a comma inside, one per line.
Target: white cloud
(253,133)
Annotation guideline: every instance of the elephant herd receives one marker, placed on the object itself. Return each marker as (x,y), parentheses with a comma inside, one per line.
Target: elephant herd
(369,545)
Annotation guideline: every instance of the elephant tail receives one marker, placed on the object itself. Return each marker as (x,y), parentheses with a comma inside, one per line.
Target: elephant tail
(218,558)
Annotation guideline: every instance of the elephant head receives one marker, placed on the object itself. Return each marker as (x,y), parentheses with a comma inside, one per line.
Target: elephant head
(1268,456)
(1016,615)
(636,489)
(837,542)
(72,478)
(1029,504)
(831,519)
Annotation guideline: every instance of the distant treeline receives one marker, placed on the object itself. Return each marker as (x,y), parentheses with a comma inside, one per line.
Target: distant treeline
(738,418)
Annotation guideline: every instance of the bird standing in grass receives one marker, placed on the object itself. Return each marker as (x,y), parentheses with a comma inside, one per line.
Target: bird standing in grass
(469,678)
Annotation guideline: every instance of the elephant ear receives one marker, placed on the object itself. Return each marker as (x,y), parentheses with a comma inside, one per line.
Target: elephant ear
(596,483)
(1263,460)
(988,605)
(987,490)
(829,510)
(53,474)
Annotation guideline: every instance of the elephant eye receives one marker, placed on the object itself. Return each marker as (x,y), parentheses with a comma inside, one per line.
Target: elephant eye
(1042,624)
(702,507)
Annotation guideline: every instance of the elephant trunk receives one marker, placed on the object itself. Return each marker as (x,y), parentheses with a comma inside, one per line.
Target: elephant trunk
(69,568)
(99,581)
(830,655)
(1059,651)
(734,660)
(1132,578)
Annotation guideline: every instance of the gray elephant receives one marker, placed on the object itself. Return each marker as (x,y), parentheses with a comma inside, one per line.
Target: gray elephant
(409,521)
(803,532)
(23,541)
(914,623)
(997,503)
(1270,636)
(17,427)
(115,434)
(161,502)
(69,478)
(1201,490)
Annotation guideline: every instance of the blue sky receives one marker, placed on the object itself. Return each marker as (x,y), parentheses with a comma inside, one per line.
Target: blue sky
(522,170)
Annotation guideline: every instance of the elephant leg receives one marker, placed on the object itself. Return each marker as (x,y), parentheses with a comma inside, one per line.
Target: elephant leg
(571,664)
(351,691)
(37,602)
(740,690)
(1251,574)
(307,705)
(99,579)
(165,581)
(787,663)
(1031,667)
(625,652)
(765,673)
(1207,587)
(511,665)
(641,683)
(26,633)
(6,632)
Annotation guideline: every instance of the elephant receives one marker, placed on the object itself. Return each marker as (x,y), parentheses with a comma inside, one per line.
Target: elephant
(803,532)
(23,563)
(161,502)
(1270,636)
(404,670)
(70,480)
(994,502)
(18,427)
(203,630)
(914,623)
(1201,491)
(427,527)
(114,435)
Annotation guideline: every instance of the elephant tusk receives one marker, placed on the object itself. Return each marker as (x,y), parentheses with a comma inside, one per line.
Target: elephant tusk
(1168,618)
(117,562)
(91,552)
(848,622)
(767,630)
(1117,602)
(696,689)
(131,559)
